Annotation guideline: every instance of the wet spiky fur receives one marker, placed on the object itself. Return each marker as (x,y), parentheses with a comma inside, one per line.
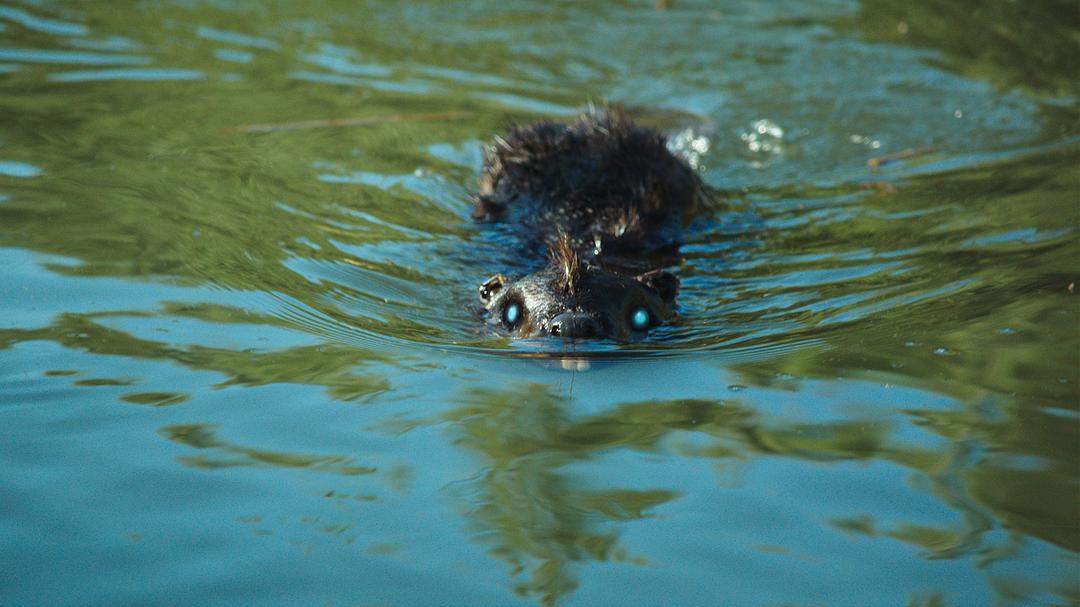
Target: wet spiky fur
(565,258)
(602,161)
(606,196)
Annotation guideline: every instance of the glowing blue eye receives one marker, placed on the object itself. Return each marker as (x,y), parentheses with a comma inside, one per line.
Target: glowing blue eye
(511,314)
(640,319)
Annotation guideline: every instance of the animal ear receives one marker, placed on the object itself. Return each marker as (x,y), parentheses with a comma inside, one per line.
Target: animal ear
(491,287)
(664,283)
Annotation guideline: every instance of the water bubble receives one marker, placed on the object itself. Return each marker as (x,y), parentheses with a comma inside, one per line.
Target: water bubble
(764,137)
(691,145)
(864,140)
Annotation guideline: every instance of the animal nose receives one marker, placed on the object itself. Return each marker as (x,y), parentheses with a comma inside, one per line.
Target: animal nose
(574,325)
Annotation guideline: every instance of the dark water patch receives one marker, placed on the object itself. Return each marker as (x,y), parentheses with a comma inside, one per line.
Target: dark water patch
(102,381)
(226,455)
(154,399)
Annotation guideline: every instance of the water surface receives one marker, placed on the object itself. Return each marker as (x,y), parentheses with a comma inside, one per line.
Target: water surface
(239,361)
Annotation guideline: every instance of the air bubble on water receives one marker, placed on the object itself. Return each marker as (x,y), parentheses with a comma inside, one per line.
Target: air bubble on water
(869,142)
(764,137)
(942,351)
(691,145)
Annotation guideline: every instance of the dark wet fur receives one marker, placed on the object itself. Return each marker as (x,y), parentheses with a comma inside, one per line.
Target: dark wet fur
(565,258)
(609,200)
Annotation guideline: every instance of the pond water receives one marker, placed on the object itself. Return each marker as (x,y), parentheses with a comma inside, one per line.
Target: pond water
(239,361)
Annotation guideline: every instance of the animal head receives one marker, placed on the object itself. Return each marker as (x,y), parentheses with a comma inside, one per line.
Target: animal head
(575,300)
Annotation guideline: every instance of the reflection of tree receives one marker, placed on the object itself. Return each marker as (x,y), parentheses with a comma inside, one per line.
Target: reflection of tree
(332,366)
(196,207)
(1006,344)
(1014,451)
(544,519)
(539,518)
(221,454)
(534,516)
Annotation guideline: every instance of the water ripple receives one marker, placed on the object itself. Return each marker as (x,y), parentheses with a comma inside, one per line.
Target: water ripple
(149,74)
(45,26)
(18,169)
(236,38)
(30,55)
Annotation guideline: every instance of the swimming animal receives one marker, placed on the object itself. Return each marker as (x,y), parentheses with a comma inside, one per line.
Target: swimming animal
(608,201)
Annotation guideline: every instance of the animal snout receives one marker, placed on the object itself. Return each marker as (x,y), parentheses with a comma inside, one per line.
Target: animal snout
(574,325)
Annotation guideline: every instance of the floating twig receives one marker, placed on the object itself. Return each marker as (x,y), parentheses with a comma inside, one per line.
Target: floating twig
(879,161)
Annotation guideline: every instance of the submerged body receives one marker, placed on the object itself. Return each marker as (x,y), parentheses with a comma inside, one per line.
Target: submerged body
(609,200)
